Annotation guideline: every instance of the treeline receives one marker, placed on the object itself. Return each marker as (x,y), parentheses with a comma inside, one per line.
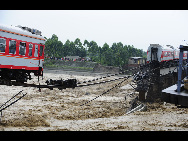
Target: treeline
(116,55)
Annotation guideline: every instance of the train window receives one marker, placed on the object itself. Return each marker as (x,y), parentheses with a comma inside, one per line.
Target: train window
(12,46)
(41,50)
(36,51)
(166,53)
(30,49)
(22,48)
(2,45)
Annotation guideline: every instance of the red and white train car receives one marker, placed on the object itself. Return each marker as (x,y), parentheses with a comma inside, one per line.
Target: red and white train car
(21,53)
(165,55)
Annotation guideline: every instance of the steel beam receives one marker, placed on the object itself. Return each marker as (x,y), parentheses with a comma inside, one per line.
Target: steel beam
(180,68)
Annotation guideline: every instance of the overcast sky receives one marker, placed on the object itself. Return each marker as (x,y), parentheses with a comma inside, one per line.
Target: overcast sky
(132,27)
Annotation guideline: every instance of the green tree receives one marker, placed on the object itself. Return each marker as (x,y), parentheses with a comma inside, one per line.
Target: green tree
(66,48)
(93,51)
(53,46)
(80,50)
(78,43)
(116,55)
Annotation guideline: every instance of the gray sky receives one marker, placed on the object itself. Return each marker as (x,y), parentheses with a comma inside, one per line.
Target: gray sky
(132,27)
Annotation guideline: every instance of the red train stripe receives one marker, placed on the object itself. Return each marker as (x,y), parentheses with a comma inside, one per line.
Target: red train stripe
(19,67)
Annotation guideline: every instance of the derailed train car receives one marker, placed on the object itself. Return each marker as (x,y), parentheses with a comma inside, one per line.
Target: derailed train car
(21,53)
(165,55)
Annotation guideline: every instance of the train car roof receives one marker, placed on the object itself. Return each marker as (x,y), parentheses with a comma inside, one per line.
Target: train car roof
(164,47)
(167,48)
(136,57)
(19,31)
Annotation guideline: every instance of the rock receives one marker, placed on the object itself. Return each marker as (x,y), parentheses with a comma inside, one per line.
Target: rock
(87,93)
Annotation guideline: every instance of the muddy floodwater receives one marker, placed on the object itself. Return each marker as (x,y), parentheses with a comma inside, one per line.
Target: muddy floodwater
(60,110)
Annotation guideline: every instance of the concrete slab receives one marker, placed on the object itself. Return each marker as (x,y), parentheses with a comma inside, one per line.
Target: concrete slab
(178,98)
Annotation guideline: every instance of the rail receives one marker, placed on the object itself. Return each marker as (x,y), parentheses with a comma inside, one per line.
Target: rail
(11,101)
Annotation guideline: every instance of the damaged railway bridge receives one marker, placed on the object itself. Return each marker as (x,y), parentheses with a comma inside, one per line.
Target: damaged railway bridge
(152,79)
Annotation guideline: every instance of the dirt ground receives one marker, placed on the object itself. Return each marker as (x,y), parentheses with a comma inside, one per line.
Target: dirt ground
(60,110)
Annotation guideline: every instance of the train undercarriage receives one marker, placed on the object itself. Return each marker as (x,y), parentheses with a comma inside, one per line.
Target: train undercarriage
(165,64)
(18,74)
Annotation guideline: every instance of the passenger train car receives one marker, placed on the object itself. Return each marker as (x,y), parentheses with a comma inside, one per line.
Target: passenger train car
(165,55)
(21,53)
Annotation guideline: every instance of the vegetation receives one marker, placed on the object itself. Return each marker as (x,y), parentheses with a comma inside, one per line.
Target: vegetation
(116,55)
(69,64)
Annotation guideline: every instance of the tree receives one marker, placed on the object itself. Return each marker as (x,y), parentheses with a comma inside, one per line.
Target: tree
(93,47)
(80,50)
(66,48)
(93,51)
(53,47)
(105,47)
(78,43)
(116,55)
(86,44)
(107,55)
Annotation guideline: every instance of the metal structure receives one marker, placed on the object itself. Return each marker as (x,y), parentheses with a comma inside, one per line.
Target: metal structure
(182,49)
(176,94)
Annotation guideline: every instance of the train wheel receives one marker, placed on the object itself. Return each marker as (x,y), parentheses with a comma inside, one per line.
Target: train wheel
(21,76)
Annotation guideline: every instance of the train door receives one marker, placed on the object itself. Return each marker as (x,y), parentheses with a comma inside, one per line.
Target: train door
(154,54)
(154,61)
